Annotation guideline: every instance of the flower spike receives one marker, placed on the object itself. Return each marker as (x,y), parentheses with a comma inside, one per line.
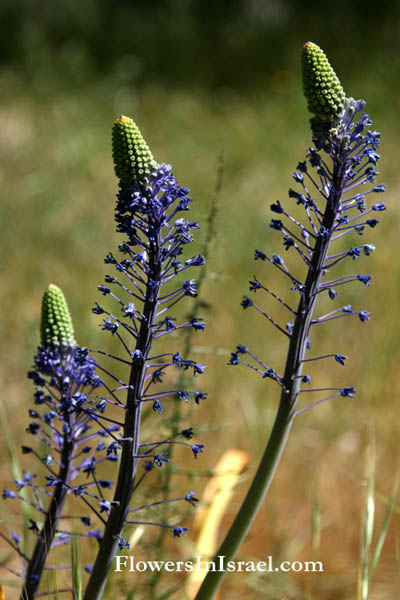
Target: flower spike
(66,416)
(56,327)
(132,157)
(322,88)
(149,211)
(333,185)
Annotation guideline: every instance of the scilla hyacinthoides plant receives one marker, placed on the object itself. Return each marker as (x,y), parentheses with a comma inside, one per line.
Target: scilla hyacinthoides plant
(65,410)
(333,185)
(149,211)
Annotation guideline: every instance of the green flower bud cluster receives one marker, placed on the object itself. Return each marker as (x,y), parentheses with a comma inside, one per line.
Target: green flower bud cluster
(132,157)
(322,88)
(56,324)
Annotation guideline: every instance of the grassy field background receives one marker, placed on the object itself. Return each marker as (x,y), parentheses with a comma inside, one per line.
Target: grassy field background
(58,187)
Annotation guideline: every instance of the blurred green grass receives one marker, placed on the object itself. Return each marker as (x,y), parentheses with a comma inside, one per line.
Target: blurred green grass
(58,190)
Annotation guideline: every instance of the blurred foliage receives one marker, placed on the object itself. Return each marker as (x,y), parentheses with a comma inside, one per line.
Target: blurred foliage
(190,42)
(200,77)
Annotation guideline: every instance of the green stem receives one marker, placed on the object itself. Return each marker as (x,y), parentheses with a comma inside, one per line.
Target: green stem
(253,500)
(291,384)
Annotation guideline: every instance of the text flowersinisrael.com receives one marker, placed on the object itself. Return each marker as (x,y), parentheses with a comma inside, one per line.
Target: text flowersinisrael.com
(198,563)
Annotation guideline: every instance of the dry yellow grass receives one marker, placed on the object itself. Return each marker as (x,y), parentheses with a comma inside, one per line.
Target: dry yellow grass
(57,208)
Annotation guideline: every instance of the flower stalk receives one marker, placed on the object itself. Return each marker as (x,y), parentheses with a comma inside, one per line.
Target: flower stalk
(344,158)
(64,374)
(148,207)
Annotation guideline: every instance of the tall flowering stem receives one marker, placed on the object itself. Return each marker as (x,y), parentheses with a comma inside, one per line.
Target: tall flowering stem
(65,378)
(333,183)
(148,211)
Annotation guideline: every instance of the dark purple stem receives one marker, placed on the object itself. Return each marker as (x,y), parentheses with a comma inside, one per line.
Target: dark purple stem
(47,534)
(130,449)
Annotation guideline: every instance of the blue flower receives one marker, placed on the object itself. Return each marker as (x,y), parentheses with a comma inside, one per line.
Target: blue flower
(148,465)
(240,349)
(160,459)
(290,327)
(197,324)
(246,302)
(195,261)
(190,288)
(380,206)
(298,177)
(199,396)
(372,222)
(16,538)
(276,207)
(288,242)
(105,506)
(123,544)
(354,252)
(254,286)
(104,289)
(169,323)
(129,309)
(188,433)
(8,494)
(191,498)
(158,406)
(113,448)
(276,224)
(348,392)
(276,259)
(106,483)
(177,359)
(364,315)
(109,325)
(180,531)
(197,448)
(365,279)
(269,373)
(258,255)
(368,249)
(340,358)
(234,359)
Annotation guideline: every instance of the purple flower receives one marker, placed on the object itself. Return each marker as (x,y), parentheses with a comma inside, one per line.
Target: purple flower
(65,374)
(340,170)
(180,531)
(149,216)
(197,448)
(340,358)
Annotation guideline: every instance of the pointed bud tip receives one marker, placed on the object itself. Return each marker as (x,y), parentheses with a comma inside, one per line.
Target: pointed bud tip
(133,159)
(56,326)
(52,287)
(123,120)
(322,88)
